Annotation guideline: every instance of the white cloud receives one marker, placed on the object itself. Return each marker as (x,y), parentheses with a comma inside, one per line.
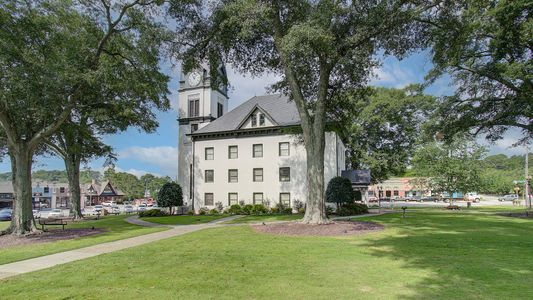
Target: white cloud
(163,157)
(393,75)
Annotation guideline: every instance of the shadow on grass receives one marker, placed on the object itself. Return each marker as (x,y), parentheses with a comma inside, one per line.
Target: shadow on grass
(468,254)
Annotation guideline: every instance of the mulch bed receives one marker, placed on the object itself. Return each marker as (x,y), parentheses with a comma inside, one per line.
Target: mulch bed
(332,229)
(47,236)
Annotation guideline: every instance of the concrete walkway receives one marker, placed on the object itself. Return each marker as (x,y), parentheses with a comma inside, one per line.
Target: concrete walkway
(52,260)
(48,261)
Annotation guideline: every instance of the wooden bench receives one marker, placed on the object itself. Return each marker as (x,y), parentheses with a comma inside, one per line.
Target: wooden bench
(47,222)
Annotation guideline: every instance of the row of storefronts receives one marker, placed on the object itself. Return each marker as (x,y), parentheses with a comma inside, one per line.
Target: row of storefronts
(57,195)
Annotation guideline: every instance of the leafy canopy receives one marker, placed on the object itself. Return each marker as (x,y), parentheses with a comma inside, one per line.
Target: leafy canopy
(382,128)
(452,166)
(487,47)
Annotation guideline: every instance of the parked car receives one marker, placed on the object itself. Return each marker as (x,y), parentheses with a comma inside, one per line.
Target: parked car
(109,203)
(55,213)
(5,214)
(510,197)
(36,214)
(128,209)
(413,198)
(429,199)
(473,197)
(142,207)
(372,199)
(98,208)
(113,210)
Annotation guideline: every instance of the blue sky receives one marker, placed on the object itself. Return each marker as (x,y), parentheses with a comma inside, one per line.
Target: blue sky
(140,153)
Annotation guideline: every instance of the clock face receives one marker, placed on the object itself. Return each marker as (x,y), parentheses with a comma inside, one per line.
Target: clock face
(194,78)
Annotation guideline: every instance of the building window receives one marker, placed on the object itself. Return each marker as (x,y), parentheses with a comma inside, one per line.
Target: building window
(396,193)
(284,149)
(209,153)
(46,190)
(257,150)
(194,108)
(233,199)
(209,175)
(194,127)
(254,120)
(258,198)
(209,199)
(220,110)
(285,174)
(258,175)
(285,199)
(233,175)
(261,119)
(233,152)
(62,190)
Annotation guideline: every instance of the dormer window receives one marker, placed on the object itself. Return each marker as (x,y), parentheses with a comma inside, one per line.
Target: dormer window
(261,120)
(254,120)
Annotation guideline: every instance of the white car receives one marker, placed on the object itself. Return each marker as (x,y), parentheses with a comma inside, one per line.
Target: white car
(473,197)
(128,209)
(55,213)
(142,207)
(98,207)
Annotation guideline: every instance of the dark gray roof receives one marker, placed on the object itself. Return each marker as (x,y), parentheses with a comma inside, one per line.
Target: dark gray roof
(277,106)
(359,177)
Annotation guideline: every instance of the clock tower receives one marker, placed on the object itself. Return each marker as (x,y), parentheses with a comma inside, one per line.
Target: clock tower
(201,100)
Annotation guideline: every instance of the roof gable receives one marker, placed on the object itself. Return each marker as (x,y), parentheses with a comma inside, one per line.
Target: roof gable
(281,110)
(256,110)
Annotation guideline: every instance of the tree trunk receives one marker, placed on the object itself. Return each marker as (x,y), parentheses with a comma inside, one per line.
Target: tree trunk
(72,165)
(315,212)
(22,221)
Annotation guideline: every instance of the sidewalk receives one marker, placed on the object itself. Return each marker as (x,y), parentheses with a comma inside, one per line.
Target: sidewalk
(52,260)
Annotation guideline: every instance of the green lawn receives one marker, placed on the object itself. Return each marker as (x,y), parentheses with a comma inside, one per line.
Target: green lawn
(430,254)
(4,225)
(183,220)
(116,227)
(265,218)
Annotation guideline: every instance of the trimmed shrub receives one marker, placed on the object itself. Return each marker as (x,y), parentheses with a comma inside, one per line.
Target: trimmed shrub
(213,212)
(190,212)
(339,191)
(170,195)
(235,209)
(203,211)
(152,213)
(281,209)
(301,210)
(351,209)
(247,209)
(259,209)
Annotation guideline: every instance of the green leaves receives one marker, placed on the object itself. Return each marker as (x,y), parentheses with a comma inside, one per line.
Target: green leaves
(453,166)
(486,47)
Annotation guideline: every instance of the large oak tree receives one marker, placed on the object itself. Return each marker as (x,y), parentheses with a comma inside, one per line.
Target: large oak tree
(51,54)
(321,49)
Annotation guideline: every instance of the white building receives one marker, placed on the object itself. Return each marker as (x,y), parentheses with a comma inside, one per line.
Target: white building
(246,154)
